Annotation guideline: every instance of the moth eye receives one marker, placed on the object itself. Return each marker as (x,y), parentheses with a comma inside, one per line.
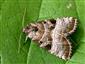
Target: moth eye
(40,42)
(35,29)
(44,22)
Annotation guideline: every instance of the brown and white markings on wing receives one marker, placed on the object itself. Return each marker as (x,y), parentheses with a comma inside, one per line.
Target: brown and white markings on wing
(53,32)
(61,46)
(46,39)
(40,32)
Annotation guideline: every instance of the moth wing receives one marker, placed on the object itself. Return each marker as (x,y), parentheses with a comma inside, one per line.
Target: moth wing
(72,25)
(67,48)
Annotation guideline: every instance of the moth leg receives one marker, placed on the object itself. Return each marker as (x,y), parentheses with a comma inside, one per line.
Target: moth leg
(45,44)
(26,38)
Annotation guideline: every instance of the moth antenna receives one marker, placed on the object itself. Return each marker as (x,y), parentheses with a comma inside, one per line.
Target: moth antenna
(32,24)
(23,18)
(26,38)
(23,29)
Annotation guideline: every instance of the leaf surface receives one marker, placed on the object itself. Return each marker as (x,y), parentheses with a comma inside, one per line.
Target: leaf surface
(12,38)
(18,13)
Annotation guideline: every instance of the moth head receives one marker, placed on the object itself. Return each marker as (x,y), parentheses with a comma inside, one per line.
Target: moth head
(30,30)
(40,31)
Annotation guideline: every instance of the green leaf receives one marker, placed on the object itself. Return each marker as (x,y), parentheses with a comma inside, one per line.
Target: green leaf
(18,13)
(11,29)
(78,56)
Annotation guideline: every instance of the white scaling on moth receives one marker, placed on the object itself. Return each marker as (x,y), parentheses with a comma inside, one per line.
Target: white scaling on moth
(52,34)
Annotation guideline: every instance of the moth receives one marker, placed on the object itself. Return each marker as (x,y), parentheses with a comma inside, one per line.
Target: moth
(52,34)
